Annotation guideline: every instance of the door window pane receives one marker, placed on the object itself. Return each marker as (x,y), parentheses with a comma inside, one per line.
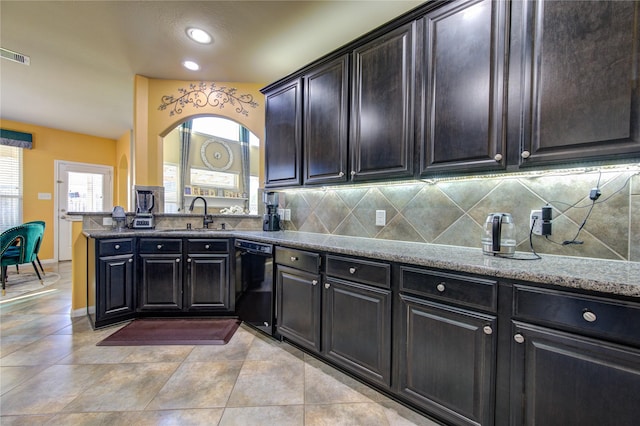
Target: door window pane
(85,192)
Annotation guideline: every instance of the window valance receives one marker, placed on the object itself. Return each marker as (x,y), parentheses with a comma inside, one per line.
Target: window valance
(19,139)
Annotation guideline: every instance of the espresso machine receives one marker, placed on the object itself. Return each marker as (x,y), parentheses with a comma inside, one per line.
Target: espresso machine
(271,219)
(145,200)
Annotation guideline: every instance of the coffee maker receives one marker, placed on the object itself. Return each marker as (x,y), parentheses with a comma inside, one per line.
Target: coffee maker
(271,219)
(145,200)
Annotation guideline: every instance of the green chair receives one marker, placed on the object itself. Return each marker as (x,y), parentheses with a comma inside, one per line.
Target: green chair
(28,237)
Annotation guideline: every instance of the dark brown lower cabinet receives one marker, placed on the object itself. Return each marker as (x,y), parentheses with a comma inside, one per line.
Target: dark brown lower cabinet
(566,379)
(207,283)
(298,307)
(446,361)
(160,282)
(357,328)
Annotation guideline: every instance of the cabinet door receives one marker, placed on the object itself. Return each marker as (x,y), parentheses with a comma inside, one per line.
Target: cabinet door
(446,361)
(115,288)
(283,135)
(298,306)
(326,104)
(357,328)
(161,282)
(208,283)
(563,379)
(463,72)
(382,137)
(575,65)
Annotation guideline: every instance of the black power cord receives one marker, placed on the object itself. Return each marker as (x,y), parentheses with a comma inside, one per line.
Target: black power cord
(594,195)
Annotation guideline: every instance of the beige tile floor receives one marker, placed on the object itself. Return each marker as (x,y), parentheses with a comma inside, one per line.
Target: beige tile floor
(52,373)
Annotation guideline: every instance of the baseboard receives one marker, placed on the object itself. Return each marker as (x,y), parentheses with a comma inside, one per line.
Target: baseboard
(82,312)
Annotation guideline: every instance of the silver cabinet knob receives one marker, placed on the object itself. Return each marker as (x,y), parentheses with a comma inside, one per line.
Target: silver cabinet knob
(341,174)
(353,172)
(589,316)
(352,270)
(189,260)
(117,247)
(206,246)
(130,260)
(441,287)
(159,246)
(178,260)
(314,282)
(525,154)
(487,329)
(327,285)
(498,157)
(293,258)
(519,338)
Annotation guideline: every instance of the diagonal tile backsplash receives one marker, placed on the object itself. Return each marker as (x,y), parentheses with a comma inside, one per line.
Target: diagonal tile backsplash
(452,212)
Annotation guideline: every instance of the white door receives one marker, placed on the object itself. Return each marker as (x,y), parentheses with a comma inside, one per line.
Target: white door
(81,188)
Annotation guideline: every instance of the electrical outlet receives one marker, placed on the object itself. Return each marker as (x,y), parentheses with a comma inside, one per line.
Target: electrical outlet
(107,221)
(287,214)
(381,217)
(281,213)
(535,222)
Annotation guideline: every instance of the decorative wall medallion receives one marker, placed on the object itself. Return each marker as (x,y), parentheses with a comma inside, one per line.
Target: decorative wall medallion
(202,95)
(216,155)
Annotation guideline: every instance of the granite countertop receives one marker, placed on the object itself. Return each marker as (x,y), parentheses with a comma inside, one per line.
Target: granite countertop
(607,276)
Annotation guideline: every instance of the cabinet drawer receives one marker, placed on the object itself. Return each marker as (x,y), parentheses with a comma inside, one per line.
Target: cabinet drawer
(160,245)
(207,246)
(613,320)
(114,247)
(469,291)
(362,271)
(298,259)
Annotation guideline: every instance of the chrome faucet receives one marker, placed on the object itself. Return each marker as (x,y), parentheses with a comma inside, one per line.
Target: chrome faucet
(207,217)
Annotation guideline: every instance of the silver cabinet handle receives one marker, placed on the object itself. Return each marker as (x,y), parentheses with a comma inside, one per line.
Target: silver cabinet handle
(525,154)
(206,246)
(178,260)
(159,246)
(498,157)
(327,285)
(352,270)
(441,287)
(314,282)
(293,258)
(519,338)
(487,329)
(589,316)
(117,247)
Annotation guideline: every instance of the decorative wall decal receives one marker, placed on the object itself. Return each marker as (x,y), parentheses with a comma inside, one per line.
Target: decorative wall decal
(202,95)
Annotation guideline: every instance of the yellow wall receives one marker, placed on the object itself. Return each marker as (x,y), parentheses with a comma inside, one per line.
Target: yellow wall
(39,170)
(122,171)
(151,123)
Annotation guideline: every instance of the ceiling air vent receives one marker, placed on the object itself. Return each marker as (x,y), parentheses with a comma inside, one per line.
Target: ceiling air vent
(14,56)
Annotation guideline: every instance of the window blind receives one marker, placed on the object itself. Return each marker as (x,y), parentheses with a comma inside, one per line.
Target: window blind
(10,186)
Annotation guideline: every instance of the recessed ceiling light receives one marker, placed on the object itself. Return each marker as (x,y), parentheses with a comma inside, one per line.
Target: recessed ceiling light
(190,65)
(198,35)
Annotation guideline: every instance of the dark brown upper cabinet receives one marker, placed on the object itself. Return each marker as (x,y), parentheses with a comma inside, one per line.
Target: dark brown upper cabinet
(382,106)
(326,114)
(462,77)
(283,133)
(576,66)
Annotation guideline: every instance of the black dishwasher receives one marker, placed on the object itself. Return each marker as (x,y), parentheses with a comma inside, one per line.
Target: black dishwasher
(255,296)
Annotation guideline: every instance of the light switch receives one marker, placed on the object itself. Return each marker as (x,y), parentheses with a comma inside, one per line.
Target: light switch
(381,217)
(44,195)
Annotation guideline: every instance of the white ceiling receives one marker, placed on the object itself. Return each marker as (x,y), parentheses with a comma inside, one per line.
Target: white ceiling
(84,54)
